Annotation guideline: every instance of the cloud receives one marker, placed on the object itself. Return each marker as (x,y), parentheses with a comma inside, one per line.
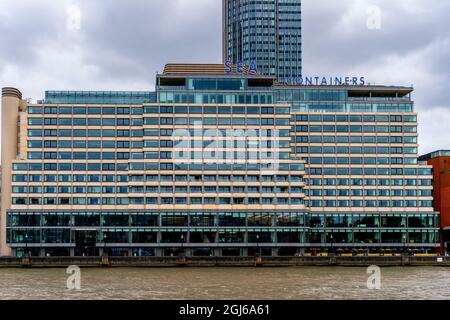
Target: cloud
(433,129)
(119,46)
(411,47)
(122,44)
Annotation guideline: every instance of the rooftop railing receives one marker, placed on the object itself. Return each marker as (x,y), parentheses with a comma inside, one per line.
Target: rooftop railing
(99,97)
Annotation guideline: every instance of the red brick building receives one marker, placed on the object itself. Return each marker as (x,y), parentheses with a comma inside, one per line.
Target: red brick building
(440,160)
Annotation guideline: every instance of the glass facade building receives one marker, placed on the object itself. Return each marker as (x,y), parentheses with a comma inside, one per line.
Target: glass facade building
(267,32)
(224,165)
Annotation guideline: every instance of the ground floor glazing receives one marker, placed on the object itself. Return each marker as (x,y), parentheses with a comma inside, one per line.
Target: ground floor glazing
(218,233)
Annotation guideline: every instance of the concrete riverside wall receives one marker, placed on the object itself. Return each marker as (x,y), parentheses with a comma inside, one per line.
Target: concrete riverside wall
(105,261)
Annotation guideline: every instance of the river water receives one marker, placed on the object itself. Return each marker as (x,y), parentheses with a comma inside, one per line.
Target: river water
(227,283)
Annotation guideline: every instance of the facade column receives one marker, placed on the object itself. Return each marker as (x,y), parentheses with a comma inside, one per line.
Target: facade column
(12,104)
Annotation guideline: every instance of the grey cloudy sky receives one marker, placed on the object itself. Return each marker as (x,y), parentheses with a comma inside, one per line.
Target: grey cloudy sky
(120,45)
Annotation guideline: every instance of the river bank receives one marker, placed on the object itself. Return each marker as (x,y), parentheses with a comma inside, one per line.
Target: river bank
(110,261)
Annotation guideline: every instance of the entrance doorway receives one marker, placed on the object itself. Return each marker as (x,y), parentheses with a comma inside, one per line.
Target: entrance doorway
(85,241)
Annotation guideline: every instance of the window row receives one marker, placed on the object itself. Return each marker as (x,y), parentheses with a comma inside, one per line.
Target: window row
(219,133)
(369,182)
(374,236)
(64,236)
(157,121)
(363,160)
(94,133)
(219,143)
(368,171)
(216,98)
(194,219)
(153,189)
(156,143)
(369,204)
(327,107)
(231,219)
(355,129)
(112,122)
(83,144)
(354,139)
(374,221)
(109,110)
(155,201)
(140,166)
(154,177)
(219,121)
(370,192)
(357,150)
(211,152)
(110,133)
(355,118)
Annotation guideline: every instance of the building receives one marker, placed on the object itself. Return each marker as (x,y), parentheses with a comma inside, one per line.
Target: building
(215,163)
(267,33)
(89,177)
(363,182)
(440,160)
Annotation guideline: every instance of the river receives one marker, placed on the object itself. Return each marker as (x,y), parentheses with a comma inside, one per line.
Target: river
(227,283)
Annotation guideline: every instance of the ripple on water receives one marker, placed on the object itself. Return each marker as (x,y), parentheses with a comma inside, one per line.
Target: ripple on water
(227,283)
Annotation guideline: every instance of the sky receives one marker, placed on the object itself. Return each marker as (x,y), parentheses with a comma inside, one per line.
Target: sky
(121,45)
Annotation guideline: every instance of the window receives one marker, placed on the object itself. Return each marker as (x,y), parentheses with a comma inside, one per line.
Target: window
(123,122)
(50,110)
(35,121)
(94,110)
(166,132)
(34,110)
(123,110)
(123,133)
(109,122)
(164,109)
(108,110)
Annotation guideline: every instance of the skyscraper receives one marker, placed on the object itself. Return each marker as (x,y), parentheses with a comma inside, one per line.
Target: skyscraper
(267,33)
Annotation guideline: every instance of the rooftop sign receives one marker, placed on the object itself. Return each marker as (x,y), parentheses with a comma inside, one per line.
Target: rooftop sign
(326,81)
(251,69)
(240,67)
